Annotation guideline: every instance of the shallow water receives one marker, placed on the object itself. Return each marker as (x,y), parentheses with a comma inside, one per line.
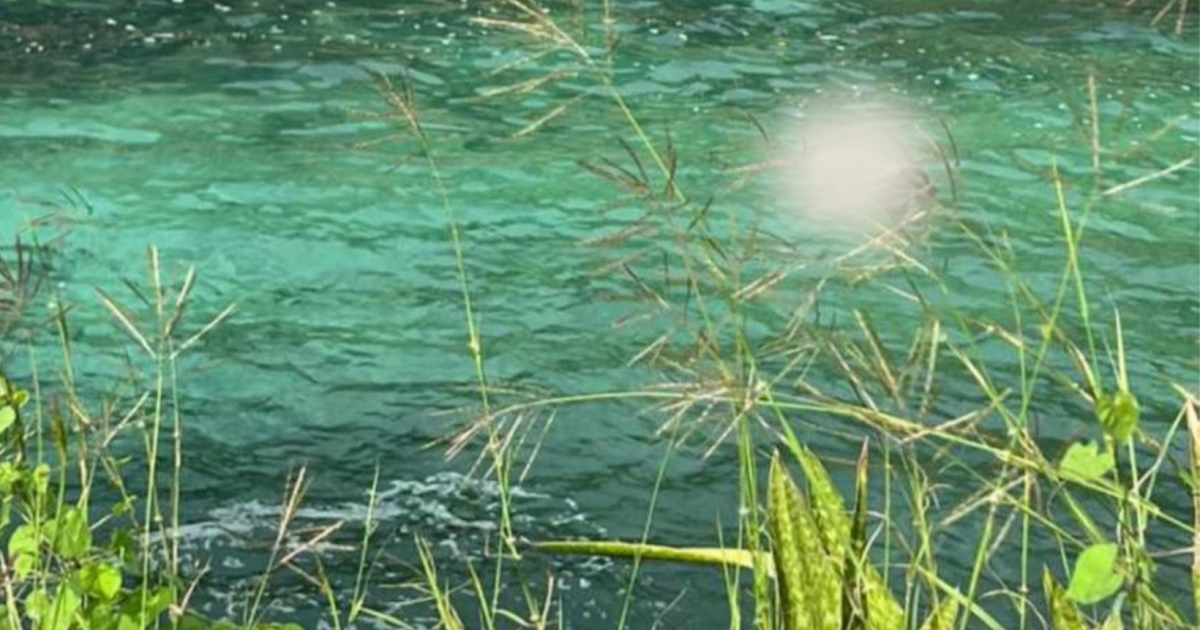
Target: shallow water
(248,143)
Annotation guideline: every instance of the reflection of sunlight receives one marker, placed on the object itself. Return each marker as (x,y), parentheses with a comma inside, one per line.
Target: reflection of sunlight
(855,166)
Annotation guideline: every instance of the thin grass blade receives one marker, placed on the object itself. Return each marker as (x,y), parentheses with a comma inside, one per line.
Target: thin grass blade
(126,322)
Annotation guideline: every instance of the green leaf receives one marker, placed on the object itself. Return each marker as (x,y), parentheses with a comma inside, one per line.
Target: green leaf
(123,544)
(1095,577)
(192,621)
(100,618)
(1118,414)
(1086,462)
(834,524)
(8,416)
(1064,615)
(23,548)
(53,614)
(101,580)
(41,480)
(157,602)
(788,565)
(69,534)
(10,476)
(36,604)
(828,508)
(24,541)
(809,586)
(128,622)
(855,611)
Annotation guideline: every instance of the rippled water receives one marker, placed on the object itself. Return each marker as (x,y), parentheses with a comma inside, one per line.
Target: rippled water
(246,140)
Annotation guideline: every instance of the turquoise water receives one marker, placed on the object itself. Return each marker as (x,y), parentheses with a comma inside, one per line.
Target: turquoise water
(248,143)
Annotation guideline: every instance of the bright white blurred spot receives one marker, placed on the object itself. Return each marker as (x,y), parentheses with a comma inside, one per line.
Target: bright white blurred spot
(855,166)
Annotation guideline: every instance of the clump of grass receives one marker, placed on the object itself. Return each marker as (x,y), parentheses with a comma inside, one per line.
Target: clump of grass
(1096,503)
(805,558)
(22,274)
(83,548)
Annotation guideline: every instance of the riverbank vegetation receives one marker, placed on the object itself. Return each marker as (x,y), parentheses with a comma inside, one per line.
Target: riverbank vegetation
(1086,533)
(805,556)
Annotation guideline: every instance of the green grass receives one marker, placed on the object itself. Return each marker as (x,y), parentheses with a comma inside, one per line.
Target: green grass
(805,557)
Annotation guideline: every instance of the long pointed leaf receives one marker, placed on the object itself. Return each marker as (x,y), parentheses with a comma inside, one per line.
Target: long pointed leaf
(809,586)
(834,524)
(854,608)
(714,556)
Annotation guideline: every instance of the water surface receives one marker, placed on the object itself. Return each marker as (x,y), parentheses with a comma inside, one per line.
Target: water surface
(248,141)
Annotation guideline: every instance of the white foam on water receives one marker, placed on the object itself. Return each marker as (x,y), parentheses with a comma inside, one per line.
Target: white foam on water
(455,512)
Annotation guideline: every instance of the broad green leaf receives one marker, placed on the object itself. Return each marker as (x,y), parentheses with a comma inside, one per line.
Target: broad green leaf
(101,618)
(161,599)
(1118,414)
(128,622)
(56,613)
(8,416)
(37,604)
(25,566)
(69,534)
(10,476)
(124,545)
(192,621)
(1063,613)
(1086,462)
(24,541)
(23,548)
(1095,577)
(20,397)
(100,580)
(157,601)
(62,609)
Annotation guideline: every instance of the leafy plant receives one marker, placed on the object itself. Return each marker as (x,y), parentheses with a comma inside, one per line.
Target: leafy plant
(818,559)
